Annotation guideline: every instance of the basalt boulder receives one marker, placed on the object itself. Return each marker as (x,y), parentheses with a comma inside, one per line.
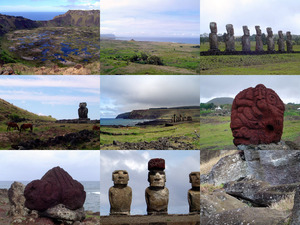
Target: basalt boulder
(55,187)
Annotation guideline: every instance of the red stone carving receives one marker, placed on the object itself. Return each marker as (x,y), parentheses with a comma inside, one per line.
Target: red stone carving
(257,116)
(156,164)
(55,187)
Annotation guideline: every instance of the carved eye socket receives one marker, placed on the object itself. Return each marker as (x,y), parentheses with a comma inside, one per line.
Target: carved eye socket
(272,99)
(124,172)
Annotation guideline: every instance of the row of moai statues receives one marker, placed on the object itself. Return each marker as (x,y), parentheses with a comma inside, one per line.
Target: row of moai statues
(230,43)
(180,118)
(156,195)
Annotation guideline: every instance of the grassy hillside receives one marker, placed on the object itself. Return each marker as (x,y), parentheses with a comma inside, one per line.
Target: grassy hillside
(221,101)
(249,64)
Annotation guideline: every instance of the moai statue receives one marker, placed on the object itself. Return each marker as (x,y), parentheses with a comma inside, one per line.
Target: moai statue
(181,118)
(258,38)
(174,118)
(157,195)
(120,195)
(83,110)
(246,40)
(194,192)
(230,45)
(289,42)
(280,42)
(213,37)
(270,40)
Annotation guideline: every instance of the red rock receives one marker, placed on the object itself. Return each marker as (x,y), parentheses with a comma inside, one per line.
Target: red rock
(55,187)
(156,164)
(257,116)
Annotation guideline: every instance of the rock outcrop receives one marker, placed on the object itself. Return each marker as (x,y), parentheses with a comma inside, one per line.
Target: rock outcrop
(17,200)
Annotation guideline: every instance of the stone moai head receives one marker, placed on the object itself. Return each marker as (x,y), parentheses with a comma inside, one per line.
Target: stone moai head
(213,27)
(280,34)
(288,35)
(230,30)
(246,31)
(120,177)
(156,175)
(82,105)
(258,30)
(195,179)
(269,31)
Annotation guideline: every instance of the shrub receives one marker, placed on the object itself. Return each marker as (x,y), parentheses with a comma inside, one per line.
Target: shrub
(155,60)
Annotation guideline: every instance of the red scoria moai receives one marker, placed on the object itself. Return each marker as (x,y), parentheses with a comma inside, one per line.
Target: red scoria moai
(257,116)
(55,187)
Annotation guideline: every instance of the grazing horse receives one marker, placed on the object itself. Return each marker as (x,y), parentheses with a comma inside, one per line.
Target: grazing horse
(12,125)
(26,126)
(95,127)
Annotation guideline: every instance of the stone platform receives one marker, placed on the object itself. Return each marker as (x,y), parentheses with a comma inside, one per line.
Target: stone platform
(207,53)
(171,219)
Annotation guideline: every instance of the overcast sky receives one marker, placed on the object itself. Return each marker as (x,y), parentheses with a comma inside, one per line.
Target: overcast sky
(287,87)
(150,18)
(32,165)
(47,5)
(179,164)
(121,94)
(58,96)
(277,14)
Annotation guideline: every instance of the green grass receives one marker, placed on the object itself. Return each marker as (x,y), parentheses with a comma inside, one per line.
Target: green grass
(177,58)
(249,64)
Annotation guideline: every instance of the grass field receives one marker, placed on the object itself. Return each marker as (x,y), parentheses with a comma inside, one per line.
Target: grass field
(177,58)
(150,133)
(249,64)
(215,132)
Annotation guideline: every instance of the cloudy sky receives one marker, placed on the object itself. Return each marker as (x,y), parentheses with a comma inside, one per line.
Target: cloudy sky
(32,165)
(179,164)
(287,87)
(278,14)
(150,18)
(58,96)
(47,5)
(121,94)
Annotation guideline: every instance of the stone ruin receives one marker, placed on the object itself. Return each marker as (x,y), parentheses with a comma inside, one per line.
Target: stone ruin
(229,43)
(213,37)
(56,195)
(194,192)
(257,116)
(280,42)
(120,195)
(157,195)
(83,110)
(246,40)
(180,118)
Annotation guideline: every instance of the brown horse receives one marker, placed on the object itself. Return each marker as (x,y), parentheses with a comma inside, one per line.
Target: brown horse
(95,127)
(12,125)
(26,126)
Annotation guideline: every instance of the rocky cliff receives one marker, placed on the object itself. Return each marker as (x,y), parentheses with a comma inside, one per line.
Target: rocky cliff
(161,113)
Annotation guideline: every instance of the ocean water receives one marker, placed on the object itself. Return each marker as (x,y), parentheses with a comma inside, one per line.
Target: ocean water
(123,122)
(92,189)
(183,40)
(34,15)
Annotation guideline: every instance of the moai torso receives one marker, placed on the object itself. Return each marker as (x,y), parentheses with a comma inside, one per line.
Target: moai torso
(120,195)
(246,39)
(289,42)
(157,195)
(83,111)
(281,45)
(270,39)
(258,38)
(194,193)
(213,37)
(230,45)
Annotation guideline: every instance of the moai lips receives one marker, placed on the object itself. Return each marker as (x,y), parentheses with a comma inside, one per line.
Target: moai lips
(257,116)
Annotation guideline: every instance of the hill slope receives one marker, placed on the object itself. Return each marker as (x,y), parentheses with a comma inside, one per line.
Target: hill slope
(221,101)
(161,113)
(7,110)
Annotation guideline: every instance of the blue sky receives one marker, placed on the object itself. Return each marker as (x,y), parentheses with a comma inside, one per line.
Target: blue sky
(47,5)
(150,18)
(178,166)
(58,96)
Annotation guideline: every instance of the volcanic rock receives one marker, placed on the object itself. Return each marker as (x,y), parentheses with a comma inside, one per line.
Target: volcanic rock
(17,200)
(55,187)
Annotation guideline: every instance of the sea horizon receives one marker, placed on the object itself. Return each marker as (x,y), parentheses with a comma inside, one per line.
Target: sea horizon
(181,40)
(92,189)
(39,16)
(121,122)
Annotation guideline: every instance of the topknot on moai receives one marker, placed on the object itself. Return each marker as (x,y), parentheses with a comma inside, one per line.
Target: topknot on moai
(156,164)
(257,116)
(213,37)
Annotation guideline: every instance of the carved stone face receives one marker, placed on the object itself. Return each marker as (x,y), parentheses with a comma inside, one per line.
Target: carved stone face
(120,177)
(280,34)
(246,31)
(213,27)
(195,179)
(270,32)
(258,30)
(230,30)
(82,105)
(157,178)
(288,35)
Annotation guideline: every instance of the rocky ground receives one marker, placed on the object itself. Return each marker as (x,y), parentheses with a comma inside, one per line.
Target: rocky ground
(250,182)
